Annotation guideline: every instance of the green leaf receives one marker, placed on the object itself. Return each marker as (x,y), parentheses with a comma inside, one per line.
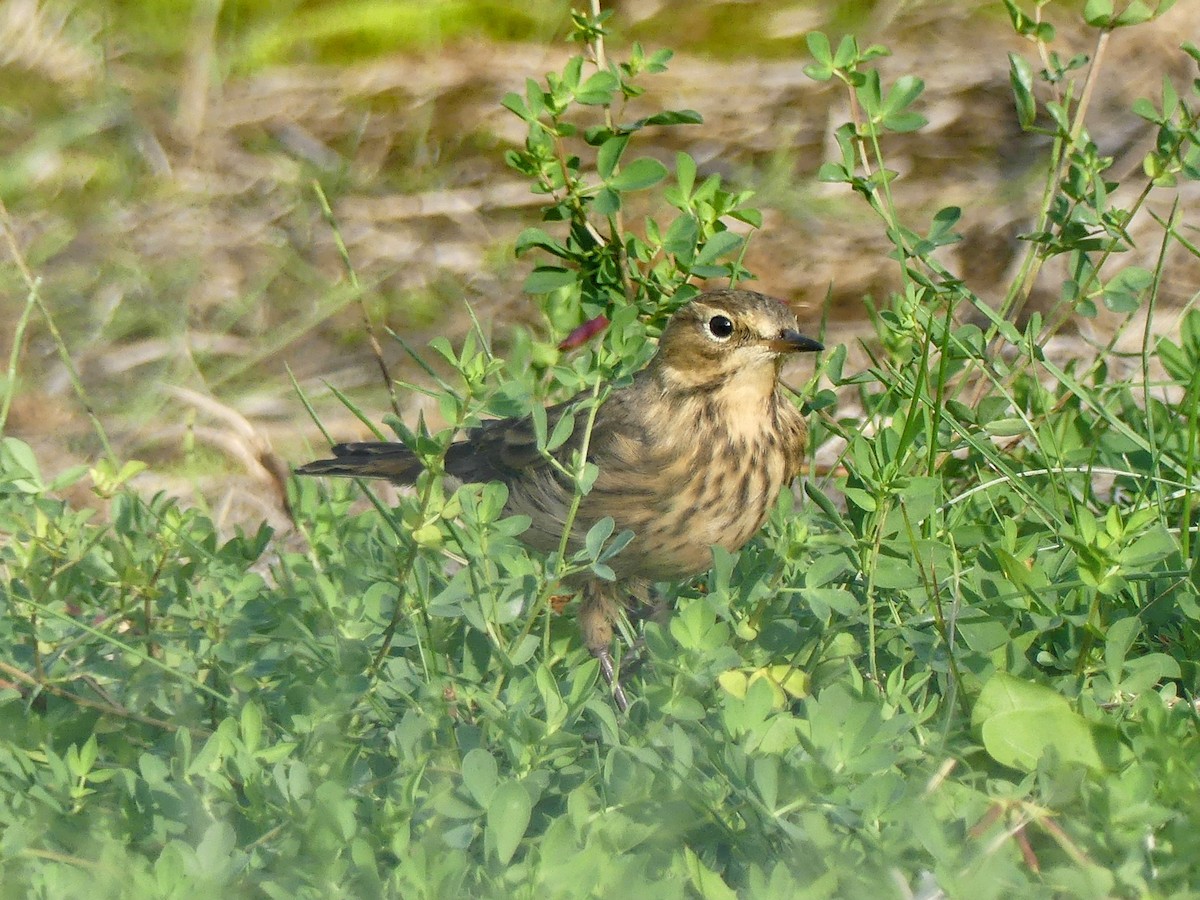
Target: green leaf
(920,497)
(251,726)
(535,98)
(752,217)
(1020,77)
(609,155)
(81,759)
(685,173)
(617,544)
(827,568)
(1097,13)
(720,244)
(587,477)
(904,122)
(71,476)
(598,90)
(20,466)
(480,775)
(706,882)
(668,117)
(680,239)
(1017,16)
(903,94)
(984,636)
(1124,293)
(593,542)
(860,498)
(1146,110)
(536,237)
(657,61)
(606,202)
(638,175)
(1100,13)
(1020,721)
(545,279)
(870,94)
(839,600)
(1019,738)
(833,173)
(1145,673)
(847,56)
(514,104)
(1007,427)
(1117,641)
(491,502)
(525,650)
(572,72)
(508,816)
(541,426)
(819,47)
(563,429)
(1138,12)
(215,849)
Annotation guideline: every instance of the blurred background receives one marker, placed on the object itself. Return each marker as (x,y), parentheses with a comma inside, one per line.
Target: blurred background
(160,159)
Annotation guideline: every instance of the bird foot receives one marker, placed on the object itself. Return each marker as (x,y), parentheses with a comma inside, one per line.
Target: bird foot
(609,673)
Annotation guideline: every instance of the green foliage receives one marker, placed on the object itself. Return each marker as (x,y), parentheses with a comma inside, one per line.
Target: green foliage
(580,161)
(965,662)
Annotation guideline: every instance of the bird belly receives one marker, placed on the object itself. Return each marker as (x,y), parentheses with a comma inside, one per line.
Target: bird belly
(703,505)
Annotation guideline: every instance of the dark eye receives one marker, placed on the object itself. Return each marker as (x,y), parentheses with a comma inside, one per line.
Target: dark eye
(720,327)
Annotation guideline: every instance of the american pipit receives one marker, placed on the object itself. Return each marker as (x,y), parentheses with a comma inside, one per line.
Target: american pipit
(692,454)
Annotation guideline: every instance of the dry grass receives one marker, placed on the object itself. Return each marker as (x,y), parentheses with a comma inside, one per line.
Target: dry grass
(179,244)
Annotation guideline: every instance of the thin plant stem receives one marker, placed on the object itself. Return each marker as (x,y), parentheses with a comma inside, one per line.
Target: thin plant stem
(35,297)
(18,340)
(368,325)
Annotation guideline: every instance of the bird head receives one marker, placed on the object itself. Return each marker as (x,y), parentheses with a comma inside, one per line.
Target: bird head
(728,336)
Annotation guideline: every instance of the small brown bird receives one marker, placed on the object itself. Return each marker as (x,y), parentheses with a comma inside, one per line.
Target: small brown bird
(691,455)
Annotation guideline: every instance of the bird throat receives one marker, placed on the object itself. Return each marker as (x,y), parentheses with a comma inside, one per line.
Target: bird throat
(746,401)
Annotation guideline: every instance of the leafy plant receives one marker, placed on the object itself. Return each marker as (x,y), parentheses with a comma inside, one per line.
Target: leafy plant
(963,662)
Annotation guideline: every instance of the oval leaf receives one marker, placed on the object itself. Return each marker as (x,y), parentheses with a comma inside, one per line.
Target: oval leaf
(545,279)
(479,774)
(638,175)
(507,818)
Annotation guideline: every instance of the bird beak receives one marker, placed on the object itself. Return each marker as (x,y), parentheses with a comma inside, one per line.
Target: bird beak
(794,342)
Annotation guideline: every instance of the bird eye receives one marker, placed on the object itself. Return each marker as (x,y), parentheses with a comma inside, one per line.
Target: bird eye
(720,327)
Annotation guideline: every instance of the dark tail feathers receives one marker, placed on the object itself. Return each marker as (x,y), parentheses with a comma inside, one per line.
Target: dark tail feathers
(368,459)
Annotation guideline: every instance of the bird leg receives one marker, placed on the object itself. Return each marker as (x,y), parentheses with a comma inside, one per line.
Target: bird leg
(597,611)
(646,604)
(606,669)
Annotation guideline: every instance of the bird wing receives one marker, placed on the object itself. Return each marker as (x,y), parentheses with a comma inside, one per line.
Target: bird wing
(495,450)
(498,449)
